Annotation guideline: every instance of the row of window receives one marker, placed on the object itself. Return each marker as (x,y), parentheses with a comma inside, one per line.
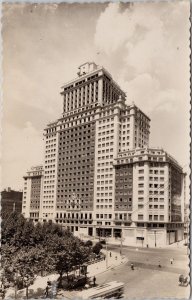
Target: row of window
(104,176)
(151,178)
(104,200)
(50,155)
(105,144)
(104,194)
(50,146)
(103,206)
(155,206)
(50,136)
(51,141)
(105,157)
(103,121)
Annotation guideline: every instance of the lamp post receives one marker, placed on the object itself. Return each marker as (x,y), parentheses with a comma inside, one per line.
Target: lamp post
(155,238)
(121,244)
(99,233)
(106,251)
(121,240)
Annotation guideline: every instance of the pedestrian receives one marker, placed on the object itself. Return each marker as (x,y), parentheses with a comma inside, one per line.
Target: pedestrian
(115,257)
(171,260)
(159,264)
(48,282)
(132,267)
(47,291)
(110,254)
(94,280)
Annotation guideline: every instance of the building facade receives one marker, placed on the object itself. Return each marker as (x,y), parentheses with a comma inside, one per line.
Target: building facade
(10,201)
(82,182)
(32,193)
(157,183)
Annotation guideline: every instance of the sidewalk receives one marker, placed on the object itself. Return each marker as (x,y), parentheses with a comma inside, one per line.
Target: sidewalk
(37,289)
(179,244)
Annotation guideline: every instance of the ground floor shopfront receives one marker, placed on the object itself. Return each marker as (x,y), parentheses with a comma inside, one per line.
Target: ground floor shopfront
(141,235)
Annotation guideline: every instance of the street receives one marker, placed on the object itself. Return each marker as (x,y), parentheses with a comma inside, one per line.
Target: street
(148,280)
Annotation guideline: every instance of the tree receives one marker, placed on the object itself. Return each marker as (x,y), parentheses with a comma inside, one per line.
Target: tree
(97,248)
(9,228)
(28,249)
(88,243)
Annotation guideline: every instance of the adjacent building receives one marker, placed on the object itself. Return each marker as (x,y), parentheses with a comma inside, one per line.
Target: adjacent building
(95,157)
(155,181)
(10,201)
(32,193)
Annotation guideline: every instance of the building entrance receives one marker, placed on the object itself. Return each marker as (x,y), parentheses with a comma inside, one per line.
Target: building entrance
(103,232)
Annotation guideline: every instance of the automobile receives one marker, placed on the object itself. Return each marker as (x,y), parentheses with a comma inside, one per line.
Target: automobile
(73,282)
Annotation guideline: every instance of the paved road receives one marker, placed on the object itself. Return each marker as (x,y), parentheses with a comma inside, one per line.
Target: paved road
(148,280)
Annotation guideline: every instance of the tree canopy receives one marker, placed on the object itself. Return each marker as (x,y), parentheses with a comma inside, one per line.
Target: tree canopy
(29,248)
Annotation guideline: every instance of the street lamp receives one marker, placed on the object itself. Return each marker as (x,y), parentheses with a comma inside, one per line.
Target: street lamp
(106,251)
(155,238)
(99,233)
(121,244)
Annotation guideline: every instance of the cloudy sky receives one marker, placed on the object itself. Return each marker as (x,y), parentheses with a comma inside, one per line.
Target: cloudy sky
(145,46)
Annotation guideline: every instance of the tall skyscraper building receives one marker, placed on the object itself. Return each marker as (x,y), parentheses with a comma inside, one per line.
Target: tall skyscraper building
(82,186)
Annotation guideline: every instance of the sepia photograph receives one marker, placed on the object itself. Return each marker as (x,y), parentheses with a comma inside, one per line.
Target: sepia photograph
(95,127)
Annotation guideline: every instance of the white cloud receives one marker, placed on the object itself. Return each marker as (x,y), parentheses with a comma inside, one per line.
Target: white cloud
(146,48)
(155,56)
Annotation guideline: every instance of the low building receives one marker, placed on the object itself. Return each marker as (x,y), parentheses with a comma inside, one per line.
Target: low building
(10,201)
(32,193)
(155,181)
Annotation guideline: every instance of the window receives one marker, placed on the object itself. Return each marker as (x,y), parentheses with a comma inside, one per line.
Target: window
(140,185)
(140,199)
(140,217)
(140,192)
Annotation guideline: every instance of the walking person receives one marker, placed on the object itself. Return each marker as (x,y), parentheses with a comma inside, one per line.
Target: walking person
(47,291)
(171,260)
(94,281)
